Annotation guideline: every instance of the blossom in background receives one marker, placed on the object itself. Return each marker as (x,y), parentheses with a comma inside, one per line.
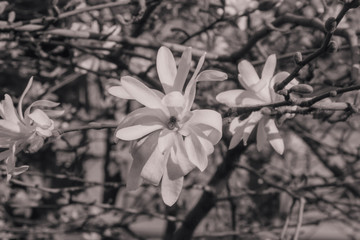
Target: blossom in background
(169,140)
(257,92)
(20,131)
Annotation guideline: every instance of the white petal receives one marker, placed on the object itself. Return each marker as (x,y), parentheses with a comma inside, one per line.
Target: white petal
(248,77)
(196,152)
(183,70)
(274,137)
(178,164)
(212,75)
(236,138)
(239,98)
(190,90)
(9,128)
(40,118)
(279,77)
(261,135)
(120,92)
(166,68)
(141,152)
(209,121)
(269,68)
(137,116)
(141,92)
(253,119)
(155,167)
(171,189)
(175,103)
(9,110)
(137,131)
(166,140)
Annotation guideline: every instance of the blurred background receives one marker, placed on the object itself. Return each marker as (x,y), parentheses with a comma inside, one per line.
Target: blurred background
(75,187)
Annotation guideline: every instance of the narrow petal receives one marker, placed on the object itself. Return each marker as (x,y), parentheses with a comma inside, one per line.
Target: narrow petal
(190,89)
(239,98)
(274,137)
(27,88)
(141,152)
(236,138)
(212,75)
(261,136)
(209,121)
(247,75)
(137,131)
(269,68)
(196,152)
(166,140)
(136,116)
(40,118)
(179,164)
(9,110)
(254,118)
(9,128)
(120,92)
(154,168)
(141,92)
(183,70)
(171,189)
(166,68)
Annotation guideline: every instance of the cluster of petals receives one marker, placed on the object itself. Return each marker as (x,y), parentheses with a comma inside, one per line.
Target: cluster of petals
(258,91)
(23,131)
(168,139)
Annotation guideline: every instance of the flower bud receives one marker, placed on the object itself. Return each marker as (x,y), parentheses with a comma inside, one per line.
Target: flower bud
(302,89)
(35,144)
(330,24)
(298,58)
(332,47)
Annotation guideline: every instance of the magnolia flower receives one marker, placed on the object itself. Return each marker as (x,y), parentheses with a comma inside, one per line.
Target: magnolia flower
(23,131)
(169,140)
(257,92)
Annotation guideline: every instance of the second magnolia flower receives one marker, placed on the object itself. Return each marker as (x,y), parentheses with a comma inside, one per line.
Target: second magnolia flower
(169,140)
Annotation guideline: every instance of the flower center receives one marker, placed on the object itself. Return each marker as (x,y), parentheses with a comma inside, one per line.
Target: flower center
(172,124)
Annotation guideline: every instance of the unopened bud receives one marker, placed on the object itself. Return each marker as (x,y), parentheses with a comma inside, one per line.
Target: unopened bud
(333,93)
(332,47)
(265,111)
(330,24)
(298,57)
(302,89)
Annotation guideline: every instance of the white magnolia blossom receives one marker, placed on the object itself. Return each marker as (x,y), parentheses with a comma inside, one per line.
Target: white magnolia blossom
(169,140)
(26,130)
(257,92)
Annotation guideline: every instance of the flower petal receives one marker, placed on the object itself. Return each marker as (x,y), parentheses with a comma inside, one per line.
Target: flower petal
(9,128)
(137,131)
(166,140)
(261,135)
(190,89)
(154,168)
(239,98)
(212,75)
(175,103)
(120,92)
(141,151)
(196,152)
(209,121)
(253,119)
(40,118)
(141,93)
(9,110)
(269,68)
(274,137)
(183,70)
(247,75)
(166,68)
(171,189)
(178,164)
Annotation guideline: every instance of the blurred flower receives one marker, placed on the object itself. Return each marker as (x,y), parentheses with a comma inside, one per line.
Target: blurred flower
(234,7)
(257,92)
(24,131)
(169,140)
